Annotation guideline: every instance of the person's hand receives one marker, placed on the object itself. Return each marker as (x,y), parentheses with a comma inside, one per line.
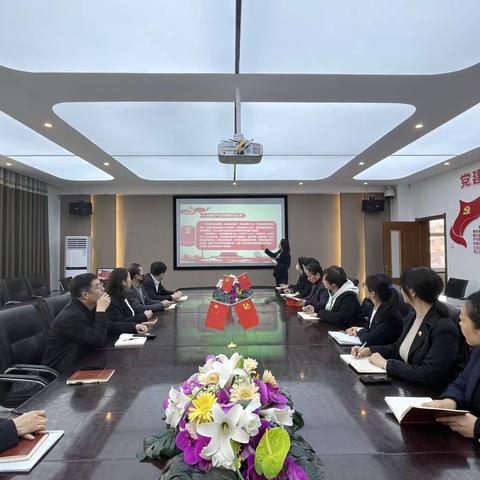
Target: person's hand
(352,331)
(103,302)
(141,328)
(308,309)
(283,285)
(463,424)
(376,359)
(148,314)
(31,422)
(365,352)
(167,303)
(445,403)
(176,295)
(180,292)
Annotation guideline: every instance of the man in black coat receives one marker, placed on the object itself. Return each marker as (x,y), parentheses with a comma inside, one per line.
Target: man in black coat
(152,284)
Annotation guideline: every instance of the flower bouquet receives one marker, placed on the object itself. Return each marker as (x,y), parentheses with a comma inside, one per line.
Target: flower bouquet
(228,422)
(230,290)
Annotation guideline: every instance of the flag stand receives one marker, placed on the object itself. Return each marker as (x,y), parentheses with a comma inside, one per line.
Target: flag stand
(231,345)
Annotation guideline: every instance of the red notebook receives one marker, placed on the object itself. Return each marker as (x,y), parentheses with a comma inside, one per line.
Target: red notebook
(24,450)
(91,376)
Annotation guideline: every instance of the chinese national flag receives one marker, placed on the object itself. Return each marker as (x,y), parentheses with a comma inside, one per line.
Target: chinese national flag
(227,283)
(217,315)
(247,313)
(244,281)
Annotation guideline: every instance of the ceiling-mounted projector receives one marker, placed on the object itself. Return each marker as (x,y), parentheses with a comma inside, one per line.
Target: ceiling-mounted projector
(239,150)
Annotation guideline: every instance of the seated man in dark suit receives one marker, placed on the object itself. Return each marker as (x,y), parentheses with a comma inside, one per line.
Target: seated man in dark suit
(137,298)
(152,284)
(83,325)
(22,426)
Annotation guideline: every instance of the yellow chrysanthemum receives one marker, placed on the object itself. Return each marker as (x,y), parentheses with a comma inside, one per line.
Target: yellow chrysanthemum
(201,408)
(243,392)
(269,378)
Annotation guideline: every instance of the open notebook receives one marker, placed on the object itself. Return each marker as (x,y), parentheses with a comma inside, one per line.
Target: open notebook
(343,339)
(183,298)
(126,340)
(306,316)
(361,365)
(408,410)
(26,464)
(171,307)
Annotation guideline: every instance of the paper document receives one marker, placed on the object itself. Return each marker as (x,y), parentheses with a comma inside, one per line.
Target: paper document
(343,339)
(127,340)
(361,365)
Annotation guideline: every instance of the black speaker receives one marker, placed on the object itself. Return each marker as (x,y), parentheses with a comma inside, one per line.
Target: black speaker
(373,205)
(80,208)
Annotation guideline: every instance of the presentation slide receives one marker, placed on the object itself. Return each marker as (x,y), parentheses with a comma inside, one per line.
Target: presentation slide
(227,232)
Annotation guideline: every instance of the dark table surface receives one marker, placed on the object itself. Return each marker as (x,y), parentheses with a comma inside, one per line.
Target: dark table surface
(346,422)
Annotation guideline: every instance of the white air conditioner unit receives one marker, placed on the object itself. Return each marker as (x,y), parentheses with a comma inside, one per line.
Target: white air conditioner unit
(78,255)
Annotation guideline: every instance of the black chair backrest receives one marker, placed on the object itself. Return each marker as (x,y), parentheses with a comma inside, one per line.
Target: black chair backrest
(3,293)
(456,288)
(54,305)
(463,347)
(38,285)
(65,283)
(23,334)
(16,289)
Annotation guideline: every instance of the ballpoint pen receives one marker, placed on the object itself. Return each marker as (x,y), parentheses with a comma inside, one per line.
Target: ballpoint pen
(360,349)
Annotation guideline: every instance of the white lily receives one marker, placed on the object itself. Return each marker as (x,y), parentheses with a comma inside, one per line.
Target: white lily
(177,403)
(222,430)
(281,416)
(208,365)
(226,368)
(250,421)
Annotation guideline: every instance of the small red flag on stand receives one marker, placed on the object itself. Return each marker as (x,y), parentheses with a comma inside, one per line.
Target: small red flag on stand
(244,281)
(227,283)
(247,313)
(217,315)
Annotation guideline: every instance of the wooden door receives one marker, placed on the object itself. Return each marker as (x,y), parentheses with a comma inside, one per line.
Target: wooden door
(403,247)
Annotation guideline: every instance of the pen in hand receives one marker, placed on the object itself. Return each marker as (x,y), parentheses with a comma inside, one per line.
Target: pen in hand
(360,349)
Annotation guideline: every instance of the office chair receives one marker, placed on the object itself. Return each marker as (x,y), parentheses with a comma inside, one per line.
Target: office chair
(456,288)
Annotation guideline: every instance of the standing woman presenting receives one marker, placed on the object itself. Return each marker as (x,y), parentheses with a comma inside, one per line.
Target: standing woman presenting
(282,260)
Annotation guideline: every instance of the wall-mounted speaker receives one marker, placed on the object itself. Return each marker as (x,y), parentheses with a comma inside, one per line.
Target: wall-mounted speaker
(80,208)
(373,205)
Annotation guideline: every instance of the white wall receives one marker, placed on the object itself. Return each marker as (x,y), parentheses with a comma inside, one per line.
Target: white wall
(438,195)
(54,236)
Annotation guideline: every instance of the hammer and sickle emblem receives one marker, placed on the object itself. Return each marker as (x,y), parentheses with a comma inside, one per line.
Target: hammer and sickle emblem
(466,210)
(247,306)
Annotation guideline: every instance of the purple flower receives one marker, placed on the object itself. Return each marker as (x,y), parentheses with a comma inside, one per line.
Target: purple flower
(165,404)
(191,447)
(294,471)
(223,396)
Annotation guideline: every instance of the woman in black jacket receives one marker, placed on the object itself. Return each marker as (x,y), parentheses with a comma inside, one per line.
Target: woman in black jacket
(120,309)
(303,287)
(464,392)
(318,294)
(385,323)
(343,308)
(282,261)
(427,350)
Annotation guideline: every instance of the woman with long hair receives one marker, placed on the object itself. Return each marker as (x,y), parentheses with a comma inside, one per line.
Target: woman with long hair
(385,323)
(427,350)
(281,258)
(120,309)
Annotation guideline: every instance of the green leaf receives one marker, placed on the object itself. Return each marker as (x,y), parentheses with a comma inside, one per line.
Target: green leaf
(305,456)
(177,469)
(298,422)
(158,446)
(220,474)
(240,362)
(271,452)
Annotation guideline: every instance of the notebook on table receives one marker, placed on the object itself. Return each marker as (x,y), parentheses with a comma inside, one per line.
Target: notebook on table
(361,365)
(27,453)
(171,307)
(343,339)
(183,298)
(308,317)
(90,376)
(408,410)
(127,340)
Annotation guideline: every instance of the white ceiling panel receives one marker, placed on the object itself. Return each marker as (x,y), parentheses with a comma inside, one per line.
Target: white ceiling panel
(292,168)
(178,168)
(68,167)
(183,36)
(359,37)
(21,143)
(453,138)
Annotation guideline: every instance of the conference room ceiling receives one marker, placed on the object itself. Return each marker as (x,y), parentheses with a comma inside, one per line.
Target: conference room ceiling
(139,97)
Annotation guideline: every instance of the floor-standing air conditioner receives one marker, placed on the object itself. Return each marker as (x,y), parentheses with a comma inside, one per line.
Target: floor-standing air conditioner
(78,255)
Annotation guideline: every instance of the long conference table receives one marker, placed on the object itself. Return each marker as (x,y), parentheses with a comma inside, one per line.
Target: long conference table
(347,423)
